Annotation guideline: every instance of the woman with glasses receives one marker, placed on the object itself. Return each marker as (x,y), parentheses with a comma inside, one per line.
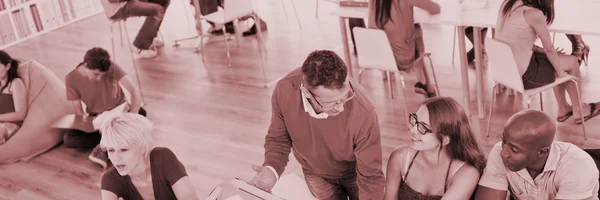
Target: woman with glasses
(443,160)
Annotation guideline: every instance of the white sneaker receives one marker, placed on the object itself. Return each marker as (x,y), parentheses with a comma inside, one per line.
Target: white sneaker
(148,53)
(157,43)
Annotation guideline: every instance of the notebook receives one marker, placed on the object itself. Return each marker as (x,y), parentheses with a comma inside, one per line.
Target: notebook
(354,3)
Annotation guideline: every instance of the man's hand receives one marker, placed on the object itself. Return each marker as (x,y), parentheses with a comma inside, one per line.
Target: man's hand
(264,179)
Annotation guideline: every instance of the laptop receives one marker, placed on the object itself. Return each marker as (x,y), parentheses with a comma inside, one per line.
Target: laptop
(354,3)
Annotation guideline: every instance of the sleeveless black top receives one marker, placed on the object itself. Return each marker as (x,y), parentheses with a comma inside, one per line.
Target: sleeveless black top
(407,193)
(7,104)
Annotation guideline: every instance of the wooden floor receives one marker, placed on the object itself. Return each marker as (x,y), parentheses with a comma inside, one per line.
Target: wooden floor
(212,116)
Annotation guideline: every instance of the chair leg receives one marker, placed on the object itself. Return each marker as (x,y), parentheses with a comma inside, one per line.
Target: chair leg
(360,71)
(390,74)
(405,100)
(317,9)
(541,102)
(285,11)
(200,47)
(580,110)
(296,13)
(112,40)
(489,124)
(528,101)
(227,47)
(261,48)
(262,64)
(434,76)
(121,32)
(137,74)
(454,46)
(237,33)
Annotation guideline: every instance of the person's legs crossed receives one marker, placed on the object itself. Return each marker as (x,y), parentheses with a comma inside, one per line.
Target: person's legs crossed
(570,64)
(471,37)
(154,10)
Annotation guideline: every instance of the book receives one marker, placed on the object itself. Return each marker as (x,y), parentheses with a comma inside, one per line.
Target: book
(250,189)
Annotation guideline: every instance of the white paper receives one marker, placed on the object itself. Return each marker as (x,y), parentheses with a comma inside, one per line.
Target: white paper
(292,187)
(102,117)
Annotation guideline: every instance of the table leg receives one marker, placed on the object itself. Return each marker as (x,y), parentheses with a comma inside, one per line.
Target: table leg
(347,57)
(464,70)
(479,70)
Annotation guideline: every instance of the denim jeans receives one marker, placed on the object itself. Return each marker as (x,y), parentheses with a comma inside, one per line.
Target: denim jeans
(81,140)
(154,10)
(344,188)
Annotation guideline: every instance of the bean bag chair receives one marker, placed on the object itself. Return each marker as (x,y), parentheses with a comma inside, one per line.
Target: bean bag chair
(46,101)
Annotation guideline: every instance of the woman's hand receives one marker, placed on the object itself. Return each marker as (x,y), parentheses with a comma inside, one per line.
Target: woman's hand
(561,73)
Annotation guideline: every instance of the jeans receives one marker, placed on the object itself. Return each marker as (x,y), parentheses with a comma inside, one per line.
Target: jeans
(154,10)
(83,140)
(344,188)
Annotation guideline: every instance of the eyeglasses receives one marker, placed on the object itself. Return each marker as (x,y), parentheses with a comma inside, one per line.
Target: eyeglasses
(331,105)
(421,127)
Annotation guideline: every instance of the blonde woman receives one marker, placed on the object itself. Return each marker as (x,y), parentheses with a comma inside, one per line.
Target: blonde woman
(141,171)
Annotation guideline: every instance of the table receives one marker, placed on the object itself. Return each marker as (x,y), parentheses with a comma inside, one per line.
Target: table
(567,20)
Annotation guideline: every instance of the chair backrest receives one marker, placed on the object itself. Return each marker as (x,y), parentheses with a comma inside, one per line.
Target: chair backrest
(373,49)
(237,8)
(502,64)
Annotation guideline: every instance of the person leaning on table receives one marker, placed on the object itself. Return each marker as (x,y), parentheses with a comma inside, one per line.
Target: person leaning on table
(327,119)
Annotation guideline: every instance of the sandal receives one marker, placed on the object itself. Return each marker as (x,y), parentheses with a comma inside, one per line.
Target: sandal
(593,113)
(564,117)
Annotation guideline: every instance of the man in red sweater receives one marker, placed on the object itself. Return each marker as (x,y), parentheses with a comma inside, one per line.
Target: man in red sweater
(331,124)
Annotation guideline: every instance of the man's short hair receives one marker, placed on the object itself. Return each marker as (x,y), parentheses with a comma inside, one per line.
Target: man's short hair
(324,68)
(97,59)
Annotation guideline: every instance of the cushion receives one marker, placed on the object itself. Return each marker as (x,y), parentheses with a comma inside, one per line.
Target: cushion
(46,101)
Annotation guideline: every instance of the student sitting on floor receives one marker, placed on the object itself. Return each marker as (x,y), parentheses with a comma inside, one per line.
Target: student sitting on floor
(13,102)
(444,160)
(96,83)
(529,164)
(140,171)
